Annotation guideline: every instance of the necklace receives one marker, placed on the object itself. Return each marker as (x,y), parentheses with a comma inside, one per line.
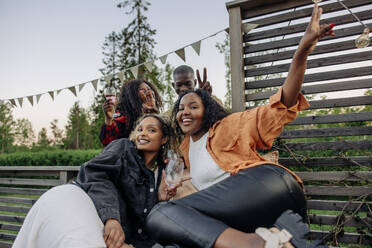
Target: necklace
(154,166)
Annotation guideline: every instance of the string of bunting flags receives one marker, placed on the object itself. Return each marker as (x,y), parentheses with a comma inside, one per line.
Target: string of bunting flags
(75,89)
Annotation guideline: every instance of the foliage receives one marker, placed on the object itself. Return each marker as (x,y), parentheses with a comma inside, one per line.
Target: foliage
(23,133)
(77,129)
(56,132)
(48,158)
(6,127)
(169,93)
(224,48)
(43,140)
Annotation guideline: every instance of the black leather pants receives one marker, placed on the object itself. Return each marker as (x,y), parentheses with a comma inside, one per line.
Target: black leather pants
(254,197)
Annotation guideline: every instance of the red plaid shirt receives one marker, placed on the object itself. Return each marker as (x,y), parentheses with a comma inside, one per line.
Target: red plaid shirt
(118,129)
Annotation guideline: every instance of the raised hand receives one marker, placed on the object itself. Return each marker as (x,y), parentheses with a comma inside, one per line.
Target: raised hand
(205,85)
(314,31)
(113,234)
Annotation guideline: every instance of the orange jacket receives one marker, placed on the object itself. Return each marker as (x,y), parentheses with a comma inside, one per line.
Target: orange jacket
(232,141)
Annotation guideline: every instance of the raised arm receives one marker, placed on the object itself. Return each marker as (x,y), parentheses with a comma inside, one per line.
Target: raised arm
(314,32)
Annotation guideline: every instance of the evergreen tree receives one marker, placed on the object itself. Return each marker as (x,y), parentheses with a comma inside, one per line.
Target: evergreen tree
(57,133)
(43,140)
(169,93)
(6,127)
(77,129)
(24,133)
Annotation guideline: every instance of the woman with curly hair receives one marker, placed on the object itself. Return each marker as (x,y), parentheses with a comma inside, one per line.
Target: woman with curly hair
(136,98)
(107,204)
(239,191)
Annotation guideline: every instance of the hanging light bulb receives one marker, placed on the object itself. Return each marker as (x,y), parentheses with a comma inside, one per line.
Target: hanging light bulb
(317,1)
(363,40)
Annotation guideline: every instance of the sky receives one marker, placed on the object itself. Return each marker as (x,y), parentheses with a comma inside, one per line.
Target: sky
(48,45)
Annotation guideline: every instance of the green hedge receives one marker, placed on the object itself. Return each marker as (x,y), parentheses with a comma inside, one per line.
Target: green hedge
(48,158)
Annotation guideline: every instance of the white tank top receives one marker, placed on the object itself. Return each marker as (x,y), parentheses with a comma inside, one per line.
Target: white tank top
(203,170)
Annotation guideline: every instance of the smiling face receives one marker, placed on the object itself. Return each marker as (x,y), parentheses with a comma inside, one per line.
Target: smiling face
(190,116)
(149,135)
(147,95)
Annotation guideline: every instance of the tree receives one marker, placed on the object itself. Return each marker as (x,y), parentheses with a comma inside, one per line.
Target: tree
(43,140)
(77,129)
(6,127)
(169,93)
(24,133)
(224,48)
(57,133)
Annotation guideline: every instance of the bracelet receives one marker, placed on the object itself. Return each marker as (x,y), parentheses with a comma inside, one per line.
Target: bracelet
(273,239)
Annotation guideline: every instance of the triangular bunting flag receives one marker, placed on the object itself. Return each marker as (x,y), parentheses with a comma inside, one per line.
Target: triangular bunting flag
(59,91)
(38,98)
(73,90)
(196,46)
(247,27)
(20,101)
(51,93)
(108,79)
(81,86)
(31,100)
(120,75)
(149,66)
(181,53)
(134,71)
(163,59)
(94,83)
(12,101)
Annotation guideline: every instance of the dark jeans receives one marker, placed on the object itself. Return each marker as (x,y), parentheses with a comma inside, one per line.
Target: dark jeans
(254,197)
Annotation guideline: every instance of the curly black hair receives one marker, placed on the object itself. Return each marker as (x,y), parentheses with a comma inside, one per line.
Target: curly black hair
(130,103)
(213,111)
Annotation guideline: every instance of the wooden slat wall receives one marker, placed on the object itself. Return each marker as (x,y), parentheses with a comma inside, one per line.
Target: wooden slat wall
(337,70)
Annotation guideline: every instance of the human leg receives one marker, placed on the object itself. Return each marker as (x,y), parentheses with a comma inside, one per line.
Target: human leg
(252,198)
(64,216)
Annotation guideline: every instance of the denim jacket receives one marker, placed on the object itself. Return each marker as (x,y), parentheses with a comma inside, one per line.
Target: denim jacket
(122,188)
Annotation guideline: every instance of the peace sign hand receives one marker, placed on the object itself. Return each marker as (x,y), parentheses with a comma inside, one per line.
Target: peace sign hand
(205,85)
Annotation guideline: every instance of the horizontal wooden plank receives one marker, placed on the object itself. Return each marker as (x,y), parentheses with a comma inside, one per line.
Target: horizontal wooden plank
(341,145)
(12,218)
(283,43)
(338,190)
(333,220)
(301,13)
(325,103)
(9,227)
(348,238)
(17,200)
(23,191)
(327,161)
(297,28)
(314,77)
(39,168)
(336,176)
(254,8)
(271,57)
(10,173)
(26,181)
(14,209)
(339,205)
(4,244)
(312,63)
(326,132)
(322,119)
(7,236)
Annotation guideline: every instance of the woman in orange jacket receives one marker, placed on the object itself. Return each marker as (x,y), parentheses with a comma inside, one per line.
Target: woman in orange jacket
(238,190)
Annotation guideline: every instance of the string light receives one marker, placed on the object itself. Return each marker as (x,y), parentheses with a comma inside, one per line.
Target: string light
(363,40)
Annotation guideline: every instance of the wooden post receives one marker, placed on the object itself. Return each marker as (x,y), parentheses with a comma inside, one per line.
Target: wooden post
(236,60)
